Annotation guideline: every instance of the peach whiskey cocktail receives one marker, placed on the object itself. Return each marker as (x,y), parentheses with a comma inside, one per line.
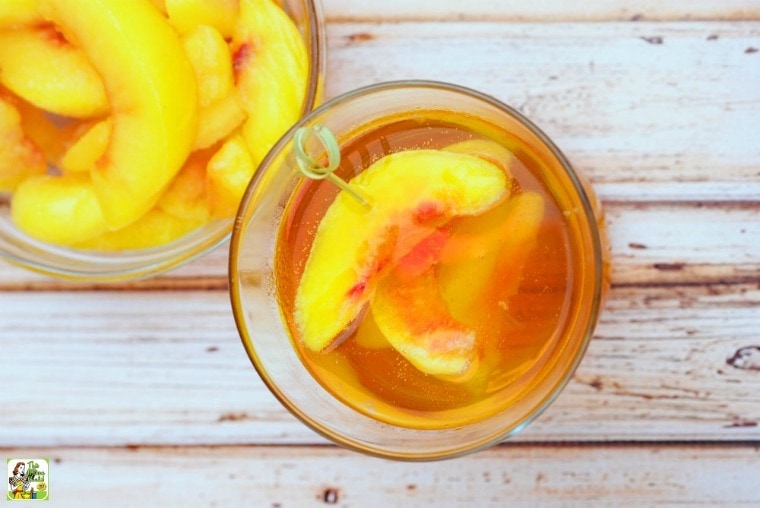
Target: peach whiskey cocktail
(442,300)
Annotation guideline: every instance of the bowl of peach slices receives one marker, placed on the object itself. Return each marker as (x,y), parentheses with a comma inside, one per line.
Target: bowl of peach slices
(129,130)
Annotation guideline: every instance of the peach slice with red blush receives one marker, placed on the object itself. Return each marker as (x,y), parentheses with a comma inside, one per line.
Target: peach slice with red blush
(152,89)
(38,64)
(411,314)
(354,246)
(220,108)
(271,72)
(415,320)
(430,309)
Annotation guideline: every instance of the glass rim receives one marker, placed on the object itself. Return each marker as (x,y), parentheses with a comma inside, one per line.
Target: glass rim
(553,391)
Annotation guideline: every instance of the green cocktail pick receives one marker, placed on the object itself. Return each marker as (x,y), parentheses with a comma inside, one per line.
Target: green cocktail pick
(312,168)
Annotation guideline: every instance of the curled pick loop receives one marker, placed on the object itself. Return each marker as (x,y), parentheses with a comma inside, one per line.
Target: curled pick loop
(314,169)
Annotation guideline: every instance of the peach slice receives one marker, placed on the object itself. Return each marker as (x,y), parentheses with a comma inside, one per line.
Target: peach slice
(61,210)
(19,156)
(160,5)
(485,149)
(414,319)
(186,196)
(82,156)
(227,176)
(152,229)
(153,94)
(14,13)
(218,120)
(40,66)
(186,15)
(212,62)
(40,129)
(353,245)
(220,108)
(496,242)
(368,335)
(271,70)
(417,261)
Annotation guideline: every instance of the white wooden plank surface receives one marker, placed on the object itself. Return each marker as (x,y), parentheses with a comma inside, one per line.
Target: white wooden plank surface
(168,368)
(664,111)
(541,10)
(285,477)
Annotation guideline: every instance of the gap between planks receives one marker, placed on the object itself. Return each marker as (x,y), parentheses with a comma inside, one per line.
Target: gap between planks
(221,284)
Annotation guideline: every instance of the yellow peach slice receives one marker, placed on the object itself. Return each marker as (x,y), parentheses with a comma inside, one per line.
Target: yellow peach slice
(186,15)
(368,335)
(227,176)
(40,66)
(60,210)
(421,258)
(496,242)
(219,120)
(19,156)
(186,195)
(153,229)
(429,318)
(14,13)
(271,68)
(160,5)
(353,245)
(82,156)
(485,149)
(414,319)
(212,62)
(153,94)
(220,108)
(52,139)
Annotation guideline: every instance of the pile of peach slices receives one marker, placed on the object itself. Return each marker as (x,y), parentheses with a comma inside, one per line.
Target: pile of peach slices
(444,242)
(126,124)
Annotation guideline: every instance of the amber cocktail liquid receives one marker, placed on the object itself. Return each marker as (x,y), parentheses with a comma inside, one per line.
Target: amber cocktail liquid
(449,306)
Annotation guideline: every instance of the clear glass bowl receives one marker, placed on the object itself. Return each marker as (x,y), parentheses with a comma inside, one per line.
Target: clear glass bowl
(254,278)
(18,248)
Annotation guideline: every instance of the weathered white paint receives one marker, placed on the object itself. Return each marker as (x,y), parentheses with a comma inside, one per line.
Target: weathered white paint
(638,117)
(516,475)
(168,368)
(540,10)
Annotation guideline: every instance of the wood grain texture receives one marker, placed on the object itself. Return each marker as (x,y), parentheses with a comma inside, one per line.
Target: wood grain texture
(540,10)
(514,475)
(168,368)
(649,111)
